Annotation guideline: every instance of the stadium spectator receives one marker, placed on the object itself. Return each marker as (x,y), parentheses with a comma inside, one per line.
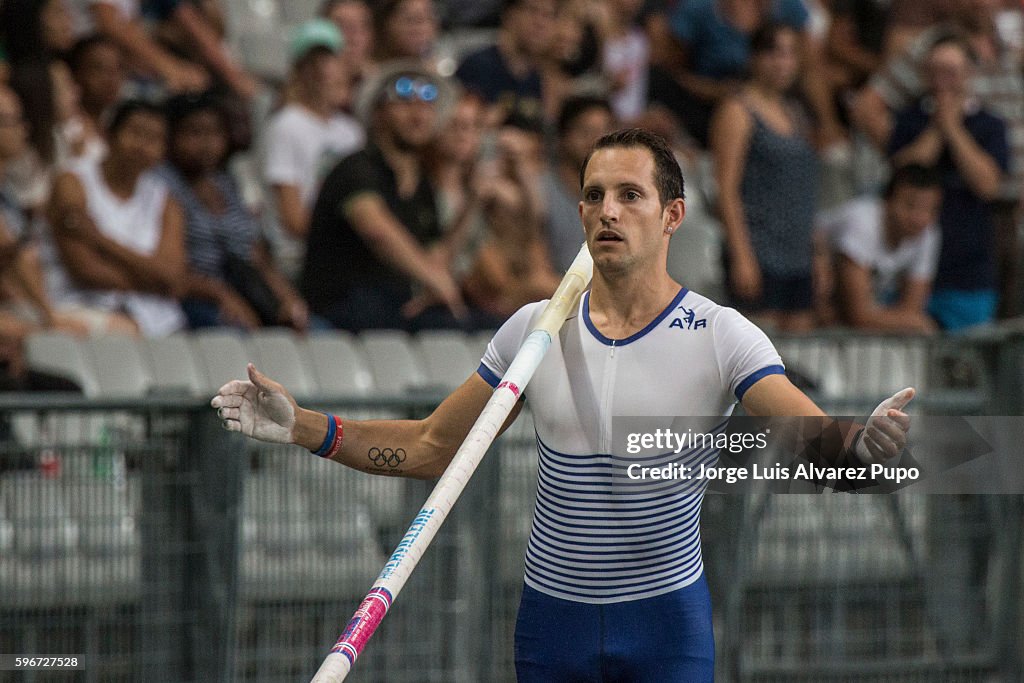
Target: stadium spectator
(26,306)
(119,233)
(405,29)
(121,22)
(885,251)
(305,138)
(34,31)
(575,49)
(58,131)
(507,75)
(583,120)
(196,30)
(30,174)
(375,227)
(950,129)
(74,136)
(512,267)
(767,185)
(713,55)
(231,278)
(49,99)
(625,59)
(654,17)
(455,168)
(906,20)
(354,19)
(855,42)
(997,84)
(97,66)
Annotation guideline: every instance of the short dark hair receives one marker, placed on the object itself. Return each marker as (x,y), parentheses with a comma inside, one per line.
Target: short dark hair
(766,36)
(668,177)
(179,107)
(957,39)
(128,108)
(913,175)
(576,106)
(76,55)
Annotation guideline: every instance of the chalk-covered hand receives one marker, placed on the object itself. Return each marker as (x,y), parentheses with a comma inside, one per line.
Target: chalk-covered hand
(885,434)
(258,407)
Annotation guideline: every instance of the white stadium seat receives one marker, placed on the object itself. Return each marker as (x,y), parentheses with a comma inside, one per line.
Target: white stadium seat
(122,370)
(222,355)
(174,365)
(276,353)
(447,358)
(338,364)
(395,366)
(63,355)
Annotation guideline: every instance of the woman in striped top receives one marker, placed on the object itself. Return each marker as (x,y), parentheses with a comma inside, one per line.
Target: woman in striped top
(222,236)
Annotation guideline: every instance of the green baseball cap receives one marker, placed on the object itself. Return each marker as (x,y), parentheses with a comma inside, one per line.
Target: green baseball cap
(313,34)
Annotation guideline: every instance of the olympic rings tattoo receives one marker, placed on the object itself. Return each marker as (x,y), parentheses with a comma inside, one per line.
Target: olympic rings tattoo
(390,457)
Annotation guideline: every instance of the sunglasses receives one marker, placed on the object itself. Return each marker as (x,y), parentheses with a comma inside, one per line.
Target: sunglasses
(406,89)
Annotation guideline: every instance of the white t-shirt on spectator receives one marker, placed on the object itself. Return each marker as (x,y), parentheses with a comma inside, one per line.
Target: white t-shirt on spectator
(300,149)
(856,230)
(81,14)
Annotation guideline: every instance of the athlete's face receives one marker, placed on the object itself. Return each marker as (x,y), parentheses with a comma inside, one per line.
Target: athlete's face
(625,223)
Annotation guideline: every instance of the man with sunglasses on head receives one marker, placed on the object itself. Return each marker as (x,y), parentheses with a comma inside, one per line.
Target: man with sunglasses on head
(375,236)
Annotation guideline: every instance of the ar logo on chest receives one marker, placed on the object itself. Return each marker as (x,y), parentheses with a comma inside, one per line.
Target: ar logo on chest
(688,320)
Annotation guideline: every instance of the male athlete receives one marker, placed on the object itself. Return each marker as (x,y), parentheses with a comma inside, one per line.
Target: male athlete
(615,587)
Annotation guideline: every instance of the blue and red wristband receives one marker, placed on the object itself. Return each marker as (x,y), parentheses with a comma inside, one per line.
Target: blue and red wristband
(332,441)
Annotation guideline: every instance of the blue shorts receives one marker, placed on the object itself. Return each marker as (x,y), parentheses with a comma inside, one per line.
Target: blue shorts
(956,309)
(665,639)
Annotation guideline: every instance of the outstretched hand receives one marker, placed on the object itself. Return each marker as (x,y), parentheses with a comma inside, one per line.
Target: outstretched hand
(258,407)
(885,434)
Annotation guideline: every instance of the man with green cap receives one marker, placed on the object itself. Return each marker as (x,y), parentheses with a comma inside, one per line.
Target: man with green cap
(306,137)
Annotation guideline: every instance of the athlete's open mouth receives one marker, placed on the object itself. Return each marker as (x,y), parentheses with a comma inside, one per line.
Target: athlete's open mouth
(608,236)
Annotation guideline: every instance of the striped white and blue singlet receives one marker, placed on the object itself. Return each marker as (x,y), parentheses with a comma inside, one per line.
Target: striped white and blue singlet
(597,536)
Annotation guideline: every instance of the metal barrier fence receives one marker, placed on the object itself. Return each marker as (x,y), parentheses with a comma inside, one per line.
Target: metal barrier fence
(161,548)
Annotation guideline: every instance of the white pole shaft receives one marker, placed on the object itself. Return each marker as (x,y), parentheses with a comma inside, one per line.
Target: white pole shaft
(421,532)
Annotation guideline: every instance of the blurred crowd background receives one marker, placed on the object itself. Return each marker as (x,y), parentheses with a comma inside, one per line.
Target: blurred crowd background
(414,164)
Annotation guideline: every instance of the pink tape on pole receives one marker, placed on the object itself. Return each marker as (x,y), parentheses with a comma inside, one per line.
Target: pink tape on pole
(363,623)
(511,387)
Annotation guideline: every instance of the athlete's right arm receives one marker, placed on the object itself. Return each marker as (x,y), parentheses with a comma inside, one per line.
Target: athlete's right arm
(263,409)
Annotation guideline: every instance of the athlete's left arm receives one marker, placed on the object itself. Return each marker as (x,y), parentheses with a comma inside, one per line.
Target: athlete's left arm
(882,439)
(775,396)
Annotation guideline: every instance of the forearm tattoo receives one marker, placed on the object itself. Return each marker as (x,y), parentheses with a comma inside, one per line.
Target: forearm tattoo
(385,460)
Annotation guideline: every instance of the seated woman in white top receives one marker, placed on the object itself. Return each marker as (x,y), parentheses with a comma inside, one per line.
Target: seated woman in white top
(119,234)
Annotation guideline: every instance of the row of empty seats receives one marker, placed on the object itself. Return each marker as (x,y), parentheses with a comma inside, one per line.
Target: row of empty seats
(79,540)
(327,364)
(393,363)
(64,542)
